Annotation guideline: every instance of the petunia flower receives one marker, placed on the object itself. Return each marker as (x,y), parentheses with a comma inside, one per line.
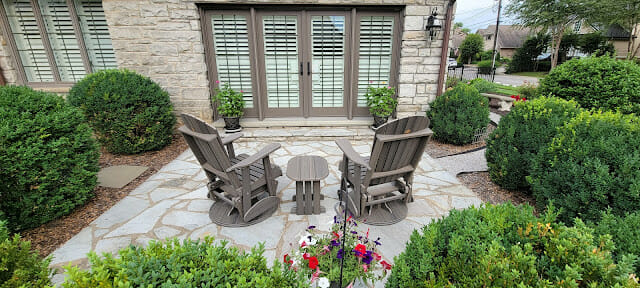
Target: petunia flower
(313,262)
(360,250)
(376,256)
(323,282)
(365,267)
(335,243)
(340,254)
(367,258)
(385,265)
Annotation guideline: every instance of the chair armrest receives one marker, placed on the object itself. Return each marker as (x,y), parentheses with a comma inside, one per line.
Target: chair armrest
(351,154)
(255,157)
(396,137)
(230,138)
(203,137)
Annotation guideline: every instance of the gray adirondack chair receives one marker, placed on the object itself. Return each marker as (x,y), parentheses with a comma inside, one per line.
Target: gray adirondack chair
(377,188)
(244,191)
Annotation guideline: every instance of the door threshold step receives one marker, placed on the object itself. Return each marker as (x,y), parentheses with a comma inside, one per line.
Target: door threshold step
(300,122)
(305,133)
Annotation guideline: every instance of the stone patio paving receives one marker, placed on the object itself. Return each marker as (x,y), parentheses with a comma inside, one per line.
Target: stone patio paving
(174,203)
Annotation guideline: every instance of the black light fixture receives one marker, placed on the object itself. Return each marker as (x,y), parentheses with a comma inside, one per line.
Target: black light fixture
(434,26)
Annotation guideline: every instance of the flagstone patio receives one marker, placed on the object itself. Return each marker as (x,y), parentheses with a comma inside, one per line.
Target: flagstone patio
(174,203)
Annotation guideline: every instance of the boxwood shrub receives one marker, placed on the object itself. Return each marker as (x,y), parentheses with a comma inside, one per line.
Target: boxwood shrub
(591,165)
(597,82)
(482,85)
(129,112)
(458,114)
(529,127)
(187,264)
(507,246)
(625,231)
(19,265)
(48,157)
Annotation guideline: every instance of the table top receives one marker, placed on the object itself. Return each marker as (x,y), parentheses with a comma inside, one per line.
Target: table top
(307,168)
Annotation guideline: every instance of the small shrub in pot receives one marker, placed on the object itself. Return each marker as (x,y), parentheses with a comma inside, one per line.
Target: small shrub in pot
(458,114)
(129,112)
(48,157)
(529,127)
(590,165)
(230,106)
(381,103)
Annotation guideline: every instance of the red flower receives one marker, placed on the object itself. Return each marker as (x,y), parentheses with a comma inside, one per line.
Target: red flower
(304,243)
(313,262)
(385,265)
(361,250)
(305,256)
(336,236)
(287,259)
(365,267)
(377,256)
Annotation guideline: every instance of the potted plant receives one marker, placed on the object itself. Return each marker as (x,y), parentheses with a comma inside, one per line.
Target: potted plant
(381,103)
(319,256)
(230,106)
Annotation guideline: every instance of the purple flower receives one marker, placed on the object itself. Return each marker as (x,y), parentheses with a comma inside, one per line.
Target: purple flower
(312,227)
(340,253)
(377,241)
(367,257)
(335,243)
(335,219)
(354,232)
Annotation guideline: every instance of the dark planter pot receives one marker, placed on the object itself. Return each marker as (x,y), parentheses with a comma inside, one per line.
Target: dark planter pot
(232,124)
(379,121)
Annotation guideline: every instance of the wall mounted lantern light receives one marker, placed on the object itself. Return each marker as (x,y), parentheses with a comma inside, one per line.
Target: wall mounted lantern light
(433,27)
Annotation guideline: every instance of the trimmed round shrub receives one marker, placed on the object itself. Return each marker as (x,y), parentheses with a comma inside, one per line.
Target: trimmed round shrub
(458,114)
(19,265)
(186,264)
(625,232)
(591,164)
(483,86)
(129,112)
(507,246)
(596,82)
(48,157)
(529,127)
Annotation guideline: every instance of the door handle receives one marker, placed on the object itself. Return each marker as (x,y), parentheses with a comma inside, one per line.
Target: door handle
(301,69)
(308,68)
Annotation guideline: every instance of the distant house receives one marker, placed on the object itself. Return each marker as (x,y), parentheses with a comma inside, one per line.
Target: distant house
(510,38)
(457,36)
(616,34)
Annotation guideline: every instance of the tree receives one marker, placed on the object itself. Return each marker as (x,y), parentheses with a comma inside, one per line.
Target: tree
(525,56)
(595,43)
(625,13)
(457,25)
(471,45)
(465,30)
(552,15)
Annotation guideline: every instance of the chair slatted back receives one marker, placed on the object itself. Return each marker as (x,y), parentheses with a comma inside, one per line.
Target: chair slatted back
(208,152)
(395,155)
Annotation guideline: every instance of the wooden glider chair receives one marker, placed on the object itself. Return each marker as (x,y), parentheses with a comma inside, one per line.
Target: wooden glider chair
(383,182)
(243,190)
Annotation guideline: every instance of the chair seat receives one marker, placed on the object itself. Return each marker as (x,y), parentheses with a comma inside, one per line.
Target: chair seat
(256,170)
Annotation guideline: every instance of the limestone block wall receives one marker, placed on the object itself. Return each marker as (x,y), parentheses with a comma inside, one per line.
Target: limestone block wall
(7,62)
(162,39)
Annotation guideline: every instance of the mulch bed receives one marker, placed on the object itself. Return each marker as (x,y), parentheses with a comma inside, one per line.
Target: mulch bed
(51,235)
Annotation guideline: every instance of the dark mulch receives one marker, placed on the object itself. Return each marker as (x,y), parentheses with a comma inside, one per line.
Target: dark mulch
(50,236)
(489,192)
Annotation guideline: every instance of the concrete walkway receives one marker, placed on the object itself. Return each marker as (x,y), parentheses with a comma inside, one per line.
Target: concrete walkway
(173,203)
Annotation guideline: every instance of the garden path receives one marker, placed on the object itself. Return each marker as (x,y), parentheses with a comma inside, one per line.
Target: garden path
(173,203)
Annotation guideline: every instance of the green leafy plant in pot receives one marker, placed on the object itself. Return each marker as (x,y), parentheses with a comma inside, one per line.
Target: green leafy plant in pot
(381,103)
(230,106)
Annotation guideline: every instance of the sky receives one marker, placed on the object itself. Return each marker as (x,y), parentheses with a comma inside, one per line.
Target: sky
(478,14)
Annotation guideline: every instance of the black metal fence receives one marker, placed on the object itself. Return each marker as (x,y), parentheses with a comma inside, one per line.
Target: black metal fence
(470,73)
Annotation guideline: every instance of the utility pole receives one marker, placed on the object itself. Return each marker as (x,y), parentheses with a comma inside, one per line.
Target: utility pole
(495,37)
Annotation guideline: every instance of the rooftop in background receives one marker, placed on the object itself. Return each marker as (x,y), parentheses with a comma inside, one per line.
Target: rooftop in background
(509,36)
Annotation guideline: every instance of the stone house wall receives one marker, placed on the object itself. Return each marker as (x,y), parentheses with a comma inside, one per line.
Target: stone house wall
(162,39)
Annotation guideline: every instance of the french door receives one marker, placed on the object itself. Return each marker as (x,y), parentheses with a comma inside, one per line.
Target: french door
(302,63)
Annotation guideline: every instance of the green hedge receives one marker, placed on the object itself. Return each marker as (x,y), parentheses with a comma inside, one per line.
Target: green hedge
(458,114)
(48,157)
(507,246)
(483,86)
(596,82)
(625,231)
(19,266)
(129,112)
(591,164)
(186,264)
(529,127)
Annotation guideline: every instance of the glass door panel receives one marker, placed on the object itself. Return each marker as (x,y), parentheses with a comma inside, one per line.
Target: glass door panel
(328,61)
(376,54)
(280,38)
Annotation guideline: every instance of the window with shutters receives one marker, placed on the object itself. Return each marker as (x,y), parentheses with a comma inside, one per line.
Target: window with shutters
(302,61)
(57,41)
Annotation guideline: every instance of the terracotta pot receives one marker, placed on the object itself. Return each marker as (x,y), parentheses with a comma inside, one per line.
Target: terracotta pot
(232,124)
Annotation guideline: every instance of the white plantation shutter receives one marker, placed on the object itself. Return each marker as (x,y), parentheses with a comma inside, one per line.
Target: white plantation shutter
(281,61)
(95,33)
(233,62)
(327,52)
(65,47)
(29,43)
(376,51)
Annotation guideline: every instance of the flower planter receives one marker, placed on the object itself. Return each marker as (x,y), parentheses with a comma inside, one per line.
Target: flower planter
(379,121)
(232,124)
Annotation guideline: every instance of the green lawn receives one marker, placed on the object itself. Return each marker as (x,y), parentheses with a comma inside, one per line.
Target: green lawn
(531,74)
(504,90)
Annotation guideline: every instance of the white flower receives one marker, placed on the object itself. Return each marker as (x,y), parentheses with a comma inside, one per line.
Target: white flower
(307,239)
(323,282)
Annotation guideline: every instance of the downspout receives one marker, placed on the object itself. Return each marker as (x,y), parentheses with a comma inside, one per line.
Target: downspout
(445,47)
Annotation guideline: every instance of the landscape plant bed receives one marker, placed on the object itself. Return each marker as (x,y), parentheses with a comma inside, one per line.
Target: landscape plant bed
(51,235)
